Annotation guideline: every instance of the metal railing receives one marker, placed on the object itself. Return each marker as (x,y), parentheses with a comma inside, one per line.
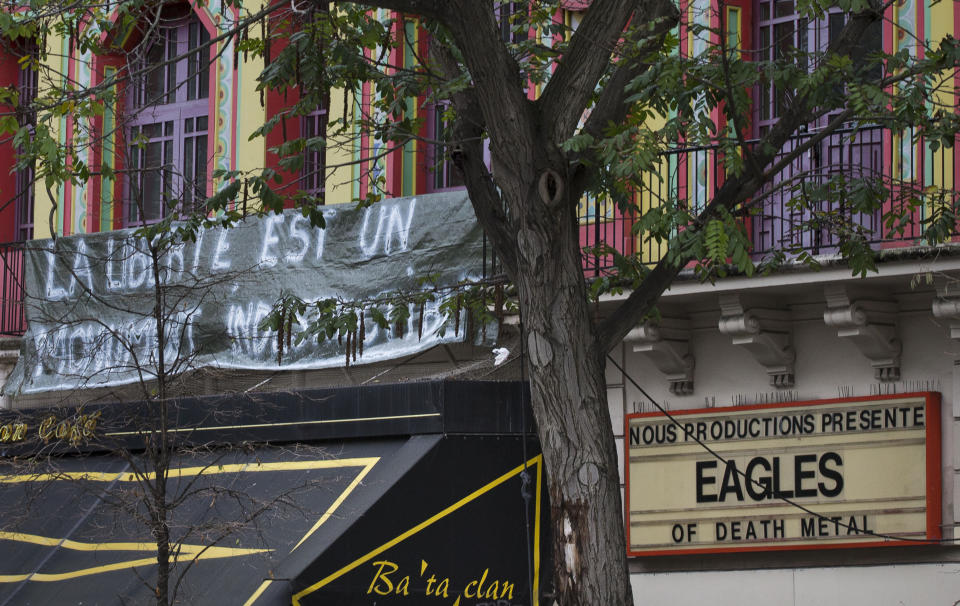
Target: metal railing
(873,183)
(12,322)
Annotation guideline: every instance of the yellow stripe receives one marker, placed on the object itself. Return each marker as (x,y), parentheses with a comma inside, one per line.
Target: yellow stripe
(537,460)
(536,540)
(185,552)
(182,472)
(333,507)
(257,593)
(185,548)
(299,423)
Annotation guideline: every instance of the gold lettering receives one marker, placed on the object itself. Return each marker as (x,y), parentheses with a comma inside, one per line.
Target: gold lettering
(5,433)
(466,590)
(443,589)
(90,425)
(386,586)
(404,585)
(492,591)
(46,428)
(19,432)
(483,578)
(503,592)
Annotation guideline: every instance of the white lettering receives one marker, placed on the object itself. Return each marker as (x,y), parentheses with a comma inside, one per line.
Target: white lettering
(300,235)
(54,291)
(267,257)
(222,247)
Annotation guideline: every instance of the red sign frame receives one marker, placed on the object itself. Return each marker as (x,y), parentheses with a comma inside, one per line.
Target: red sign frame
(934,482)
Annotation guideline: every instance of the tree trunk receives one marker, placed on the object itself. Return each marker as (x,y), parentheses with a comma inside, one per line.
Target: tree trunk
(162,534)
(568,391)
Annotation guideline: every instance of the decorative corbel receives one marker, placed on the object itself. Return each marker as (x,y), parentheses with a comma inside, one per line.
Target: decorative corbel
(667,345)
(870,326)
(765,333)
(946,307)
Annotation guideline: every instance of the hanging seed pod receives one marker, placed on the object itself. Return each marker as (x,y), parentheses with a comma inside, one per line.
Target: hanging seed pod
(353,340)
(347,351)
(296,74)
(363,332)
(282,312)
(345,104)
(420,322)
(340,338)
(266,42)
(290,328)
(399,329)
(471,327)
(456,316)
(236,53)
(498,302)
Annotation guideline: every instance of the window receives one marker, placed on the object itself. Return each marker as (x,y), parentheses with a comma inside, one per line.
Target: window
(510,16)
(169,124)
(442,172)
(27,92)
(782,33)
(312,177)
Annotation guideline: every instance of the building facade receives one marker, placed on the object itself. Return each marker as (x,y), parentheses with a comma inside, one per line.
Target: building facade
(796,336)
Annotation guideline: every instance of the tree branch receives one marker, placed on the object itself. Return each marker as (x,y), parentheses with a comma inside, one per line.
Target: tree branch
(611,107)
(735,190)
(432,9)
(468,132)
(579,70)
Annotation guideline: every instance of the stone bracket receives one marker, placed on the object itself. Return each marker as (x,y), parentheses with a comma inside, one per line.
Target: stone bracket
(946,307)
(870,326)
(667,345)
(764,333)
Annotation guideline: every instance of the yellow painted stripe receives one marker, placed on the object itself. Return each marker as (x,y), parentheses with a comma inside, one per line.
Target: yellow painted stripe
(262,425)
(537,460)
(257,593)
(185,548)
(536,539)
(183,472)
(186,552)
(333,507)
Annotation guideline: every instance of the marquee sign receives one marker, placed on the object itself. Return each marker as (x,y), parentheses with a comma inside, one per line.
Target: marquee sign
(829,473)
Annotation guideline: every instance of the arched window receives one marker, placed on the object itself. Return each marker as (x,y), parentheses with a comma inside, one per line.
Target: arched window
(168,123)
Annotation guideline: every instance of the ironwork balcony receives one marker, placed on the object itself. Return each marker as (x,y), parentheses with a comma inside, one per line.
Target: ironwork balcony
(907,180)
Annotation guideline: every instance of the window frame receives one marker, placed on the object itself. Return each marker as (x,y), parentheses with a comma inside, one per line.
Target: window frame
(170,114)
(313,172)
(812,36)
(442,173)
(27,88)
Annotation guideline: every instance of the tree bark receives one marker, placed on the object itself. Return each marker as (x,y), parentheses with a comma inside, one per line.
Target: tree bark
(569,400)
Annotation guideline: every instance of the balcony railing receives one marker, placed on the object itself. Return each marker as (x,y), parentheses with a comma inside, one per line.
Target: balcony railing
(11,289)
(881,184)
